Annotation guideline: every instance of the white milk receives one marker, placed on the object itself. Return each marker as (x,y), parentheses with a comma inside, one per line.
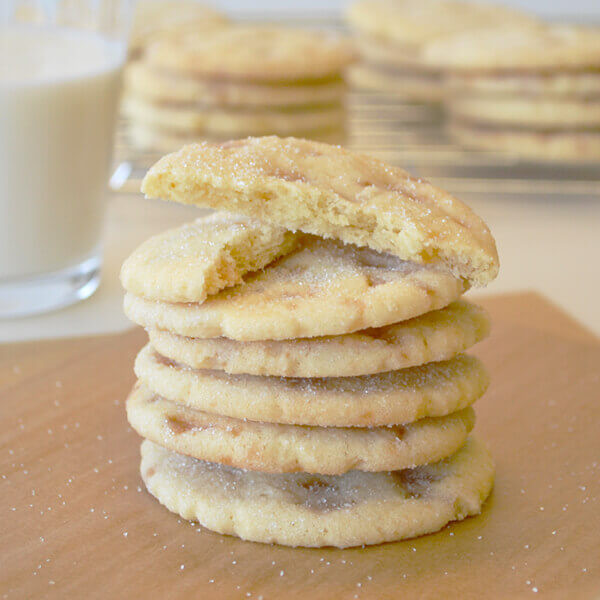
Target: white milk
(58,102)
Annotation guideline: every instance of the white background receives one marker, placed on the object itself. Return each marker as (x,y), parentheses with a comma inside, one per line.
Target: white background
(576,9)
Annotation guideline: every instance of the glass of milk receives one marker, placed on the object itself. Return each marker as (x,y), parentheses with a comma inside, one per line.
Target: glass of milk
(60,67)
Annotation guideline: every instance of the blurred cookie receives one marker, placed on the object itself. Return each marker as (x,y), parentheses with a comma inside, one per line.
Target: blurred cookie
(201,258)
(144,81)
(393,397)
(255,53)
(392,34)
(528,112)
(348,510)
(501,50)
(555,85)
(322,288)
(418,22)
(276,448)
(560,145)
(330,192)
(212,120)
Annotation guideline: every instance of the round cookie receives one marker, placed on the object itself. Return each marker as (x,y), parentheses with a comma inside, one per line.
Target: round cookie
(574,146)
(333,193)
(224,121)
(421,21)
(300,509)
(198,259)
(410,86)
(255,53)
(527,112)
(545,84)
(434,336)
(395,397)
(276,448)
(160,86)
(518,49)
(321,288)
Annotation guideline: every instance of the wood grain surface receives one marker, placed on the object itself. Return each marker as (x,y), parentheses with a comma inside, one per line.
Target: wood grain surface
(77,523)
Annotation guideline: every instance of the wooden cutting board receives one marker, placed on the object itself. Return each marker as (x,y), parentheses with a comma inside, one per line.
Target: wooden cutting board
(77,523)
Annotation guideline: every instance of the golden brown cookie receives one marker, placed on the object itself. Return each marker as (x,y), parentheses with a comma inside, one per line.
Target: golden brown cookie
(315,510)
(275,448)
(321,288)
(333,193)
(436,335)
(395,397)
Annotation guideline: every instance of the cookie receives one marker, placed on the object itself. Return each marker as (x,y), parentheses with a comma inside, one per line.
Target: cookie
(330,192)
(199,259)
(436,335)
(160,86)
(223,121)
(514,50)
(544,84)
(526,112)
(572,146)
(390,398)
(255,53)
(300,509)
(411,87)
(421,21)
(156,18)
(322,288)
(276,448)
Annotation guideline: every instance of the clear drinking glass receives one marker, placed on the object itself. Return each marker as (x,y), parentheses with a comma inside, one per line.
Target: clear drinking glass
(60,70)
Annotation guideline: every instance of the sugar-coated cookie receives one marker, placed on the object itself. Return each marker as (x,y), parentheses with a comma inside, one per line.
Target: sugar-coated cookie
(301,509)
(333,193)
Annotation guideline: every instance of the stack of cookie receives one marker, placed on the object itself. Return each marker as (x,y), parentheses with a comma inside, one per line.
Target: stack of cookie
(236,81)
(304,382)
(155,19)
(533,93)
(391,36)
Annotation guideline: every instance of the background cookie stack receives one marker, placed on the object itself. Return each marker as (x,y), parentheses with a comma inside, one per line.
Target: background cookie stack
(308,388)
(156,19)
(531,92)
(237,81)
(391,36)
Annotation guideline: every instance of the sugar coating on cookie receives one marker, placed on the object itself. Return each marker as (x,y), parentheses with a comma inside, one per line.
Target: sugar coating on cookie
(198,259)
(323,287)
(297,184)
(317,510)
(390,398)
(434,336)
